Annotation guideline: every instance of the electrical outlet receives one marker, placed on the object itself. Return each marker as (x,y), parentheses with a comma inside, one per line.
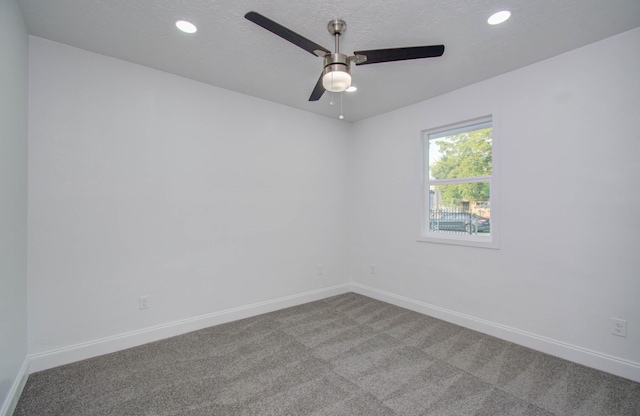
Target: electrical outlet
(143,302)
(619,327)
(320,269)
(373,269)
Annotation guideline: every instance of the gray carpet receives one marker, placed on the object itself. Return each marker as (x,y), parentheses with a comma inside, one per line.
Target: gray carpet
(345,355)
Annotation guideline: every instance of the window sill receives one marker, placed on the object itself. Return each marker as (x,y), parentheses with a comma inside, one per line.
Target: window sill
(475,241)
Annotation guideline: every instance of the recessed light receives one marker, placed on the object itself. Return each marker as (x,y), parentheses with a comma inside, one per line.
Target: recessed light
(352,88)
(499,17)
(186,27)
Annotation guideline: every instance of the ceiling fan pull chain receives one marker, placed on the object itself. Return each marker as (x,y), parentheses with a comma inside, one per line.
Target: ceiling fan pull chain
(341,117)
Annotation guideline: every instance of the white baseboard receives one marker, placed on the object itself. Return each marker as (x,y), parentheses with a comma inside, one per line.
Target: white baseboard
(13,396)
(66,355)
(584,356)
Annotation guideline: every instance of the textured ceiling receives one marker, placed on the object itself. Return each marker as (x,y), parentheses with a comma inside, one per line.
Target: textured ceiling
(230,52)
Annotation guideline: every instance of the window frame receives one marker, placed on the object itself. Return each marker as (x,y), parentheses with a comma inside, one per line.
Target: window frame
(476,240)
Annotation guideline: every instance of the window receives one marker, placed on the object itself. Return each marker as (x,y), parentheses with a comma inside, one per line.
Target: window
(460,193)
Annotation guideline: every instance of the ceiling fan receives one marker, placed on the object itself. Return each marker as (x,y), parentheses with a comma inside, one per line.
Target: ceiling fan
(336,75)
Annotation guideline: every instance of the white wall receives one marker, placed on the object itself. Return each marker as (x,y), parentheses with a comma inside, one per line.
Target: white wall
(569,130)
(145,183)
(13,202)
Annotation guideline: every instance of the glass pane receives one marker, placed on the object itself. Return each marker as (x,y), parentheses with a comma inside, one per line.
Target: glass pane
(463,155)
(460,209)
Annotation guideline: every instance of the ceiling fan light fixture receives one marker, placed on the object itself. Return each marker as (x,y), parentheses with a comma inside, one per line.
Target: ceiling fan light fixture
(336,81)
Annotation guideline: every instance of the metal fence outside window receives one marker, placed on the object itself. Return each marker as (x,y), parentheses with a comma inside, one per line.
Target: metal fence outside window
(457,221)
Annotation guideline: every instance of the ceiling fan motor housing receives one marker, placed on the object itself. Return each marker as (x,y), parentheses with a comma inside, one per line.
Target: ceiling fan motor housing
(336,62)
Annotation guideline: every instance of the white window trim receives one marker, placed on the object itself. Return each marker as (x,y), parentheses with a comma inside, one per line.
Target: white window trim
(492,241)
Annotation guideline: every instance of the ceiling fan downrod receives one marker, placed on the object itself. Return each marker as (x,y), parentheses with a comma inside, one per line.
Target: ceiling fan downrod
(337,27)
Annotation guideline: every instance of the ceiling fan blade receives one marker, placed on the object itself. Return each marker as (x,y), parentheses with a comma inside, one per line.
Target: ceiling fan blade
(286,34)
(318,90)
(375,56)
